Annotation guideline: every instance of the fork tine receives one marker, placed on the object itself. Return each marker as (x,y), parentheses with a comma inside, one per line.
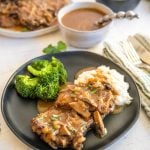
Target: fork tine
(131,52)
(127,52)
(144,76)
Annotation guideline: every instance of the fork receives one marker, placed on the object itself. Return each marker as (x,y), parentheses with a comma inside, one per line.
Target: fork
(132,55)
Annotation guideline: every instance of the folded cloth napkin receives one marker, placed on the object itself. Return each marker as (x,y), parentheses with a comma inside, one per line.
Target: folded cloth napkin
(115,52)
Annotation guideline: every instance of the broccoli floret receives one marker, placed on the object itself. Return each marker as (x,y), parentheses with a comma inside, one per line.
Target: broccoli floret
(52,76)
(44,68)
(26,85)
(47,92)
(48,86)
(39,67)
(61,69)
(48,76)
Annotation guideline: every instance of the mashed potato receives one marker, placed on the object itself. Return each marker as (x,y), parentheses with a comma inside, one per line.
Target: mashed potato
(115,79)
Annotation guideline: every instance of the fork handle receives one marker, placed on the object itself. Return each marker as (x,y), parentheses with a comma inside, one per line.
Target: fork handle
(119,15)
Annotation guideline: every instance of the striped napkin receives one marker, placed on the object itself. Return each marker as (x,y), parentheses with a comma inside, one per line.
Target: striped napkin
(115,52)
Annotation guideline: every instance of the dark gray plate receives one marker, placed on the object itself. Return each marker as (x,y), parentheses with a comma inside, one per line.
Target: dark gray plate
(18,112)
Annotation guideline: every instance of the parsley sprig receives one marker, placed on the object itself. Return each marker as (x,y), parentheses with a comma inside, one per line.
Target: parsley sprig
(50,49)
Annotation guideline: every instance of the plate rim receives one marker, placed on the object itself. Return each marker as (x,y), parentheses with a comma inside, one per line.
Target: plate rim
(29,34)
(50,55)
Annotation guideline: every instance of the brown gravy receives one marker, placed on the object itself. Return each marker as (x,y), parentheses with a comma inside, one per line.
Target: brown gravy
(82,19)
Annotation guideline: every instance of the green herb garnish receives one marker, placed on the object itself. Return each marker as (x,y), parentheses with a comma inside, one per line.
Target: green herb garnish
(54,117)
(24,29)
(93,91)
(50,49)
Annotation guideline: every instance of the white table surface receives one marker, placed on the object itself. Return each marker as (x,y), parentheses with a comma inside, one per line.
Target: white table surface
(15,52)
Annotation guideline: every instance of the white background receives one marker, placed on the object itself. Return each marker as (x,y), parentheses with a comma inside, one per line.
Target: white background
(15,52)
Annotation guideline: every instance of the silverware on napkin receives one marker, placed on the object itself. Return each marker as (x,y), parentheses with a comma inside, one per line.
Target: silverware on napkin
(133,56)
(143,53)
(115,52)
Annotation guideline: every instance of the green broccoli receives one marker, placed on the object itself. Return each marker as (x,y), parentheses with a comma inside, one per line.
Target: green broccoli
(48,86)
(49,75)
(26,85)
(47,92)
(39,67)
(44,68)
(62,71)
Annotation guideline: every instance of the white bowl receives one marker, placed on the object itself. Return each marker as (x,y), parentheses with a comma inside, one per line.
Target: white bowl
(83,39)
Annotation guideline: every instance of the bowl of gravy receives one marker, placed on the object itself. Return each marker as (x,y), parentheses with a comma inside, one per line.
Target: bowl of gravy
(77,22)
